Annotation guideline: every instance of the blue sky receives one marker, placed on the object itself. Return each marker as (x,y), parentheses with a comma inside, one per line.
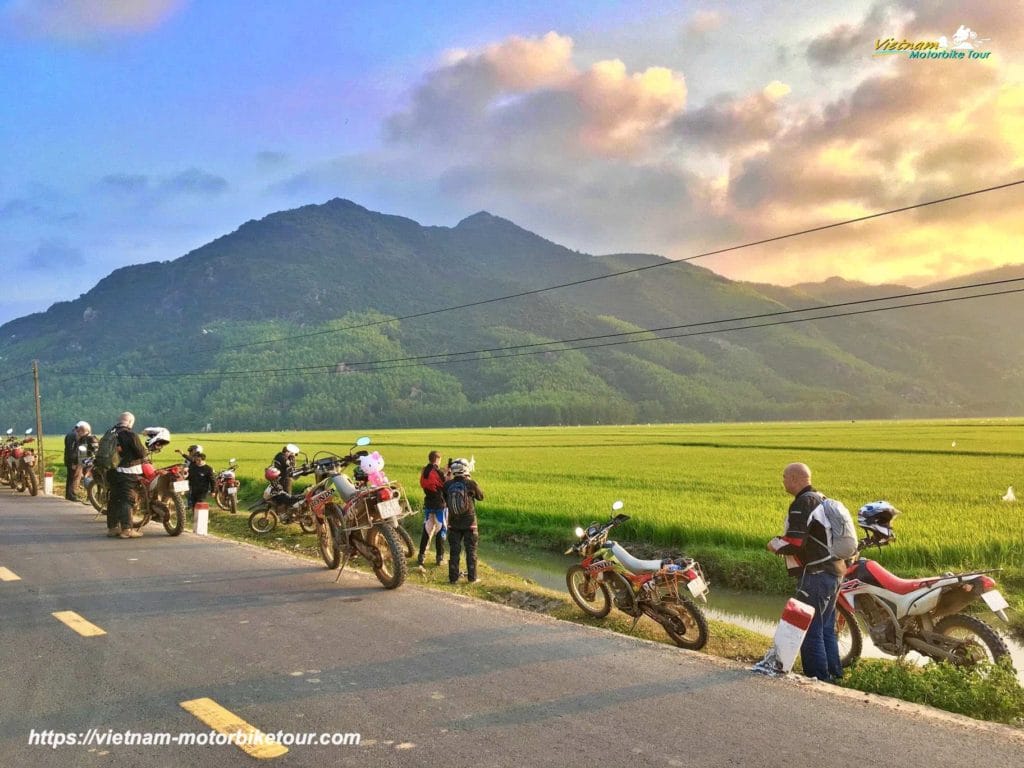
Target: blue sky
(138,130)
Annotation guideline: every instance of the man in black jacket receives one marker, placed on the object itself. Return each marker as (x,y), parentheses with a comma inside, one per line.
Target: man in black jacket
(816,572)
(461,494)
(74,471)
(285,462)
(200,479)
(124,479)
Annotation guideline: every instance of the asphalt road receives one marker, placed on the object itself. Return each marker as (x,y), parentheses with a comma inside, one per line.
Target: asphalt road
(424,678)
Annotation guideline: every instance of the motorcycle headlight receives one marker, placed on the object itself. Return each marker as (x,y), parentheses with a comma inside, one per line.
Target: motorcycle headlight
(579,532)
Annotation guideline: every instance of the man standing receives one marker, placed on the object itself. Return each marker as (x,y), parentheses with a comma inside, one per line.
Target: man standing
(71,465)
(461,493)
(817,573)
(435,512)
(124,478)
(285,462)
(200,479)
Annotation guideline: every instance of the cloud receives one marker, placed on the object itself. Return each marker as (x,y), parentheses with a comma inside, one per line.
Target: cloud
(194,181)
(129,183)
(54,253)
(19,207)
(728,122)
(704,21)
(81,20)
(270,158)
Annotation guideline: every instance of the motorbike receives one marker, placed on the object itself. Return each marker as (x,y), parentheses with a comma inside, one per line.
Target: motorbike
(609,575)
(362,482)
(923,615)
(160,491)
(225,487)
(96,488)
(355,521)
(23,465)
(277,506)
(6,447)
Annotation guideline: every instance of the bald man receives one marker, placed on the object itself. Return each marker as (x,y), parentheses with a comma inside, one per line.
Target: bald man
(816,572)
(123,479)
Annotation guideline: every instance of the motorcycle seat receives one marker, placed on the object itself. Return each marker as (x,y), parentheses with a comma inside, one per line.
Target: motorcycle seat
(633,564)
(894,583)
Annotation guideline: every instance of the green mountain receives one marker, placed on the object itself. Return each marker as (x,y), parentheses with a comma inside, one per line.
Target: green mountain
(176,341)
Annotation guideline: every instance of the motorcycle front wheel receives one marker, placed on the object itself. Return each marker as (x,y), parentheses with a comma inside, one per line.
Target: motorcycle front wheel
(33,484)
(978,641)
(849,635)
(389,566)
(221,499)
(406,538)
(174,516)
(98,495)
(233,503)
(19,481)
(262,521)
(330,550)
(683,621)
(592,596)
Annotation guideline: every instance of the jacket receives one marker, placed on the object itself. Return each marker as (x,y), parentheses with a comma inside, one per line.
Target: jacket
(432,483)
(467,520)
(803,538)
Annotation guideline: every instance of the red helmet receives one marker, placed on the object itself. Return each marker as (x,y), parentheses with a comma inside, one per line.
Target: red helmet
(19,452)
(272,473)
(148,471)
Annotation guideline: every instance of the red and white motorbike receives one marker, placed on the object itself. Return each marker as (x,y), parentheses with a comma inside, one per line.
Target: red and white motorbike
(23,465)
(225,487)
(921,615)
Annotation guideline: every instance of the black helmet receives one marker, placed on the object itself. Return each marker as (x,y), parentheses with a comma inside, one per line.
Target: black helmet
(876,519)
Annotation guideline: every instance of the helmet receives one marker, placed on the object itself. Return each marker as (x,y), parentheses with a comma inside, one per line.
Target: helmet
(83,425)
(195,448)
(876,518)
(156,437)
(272,473)
(462,467)
(359,474)
(292,448)
(148,471)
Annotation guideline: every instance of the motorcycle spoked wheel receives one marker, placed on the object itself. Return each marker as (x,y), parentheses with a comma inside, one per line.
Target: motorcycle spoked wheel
(263,521)
(173,516)
(389,566)
(406,539)
(220,499)
(978,642)
(233,503)
(98,496)
(19,481)
(683,621)
(330,549)
(849,635)
(622,593)
(592,595)
(307,522)
(33,484)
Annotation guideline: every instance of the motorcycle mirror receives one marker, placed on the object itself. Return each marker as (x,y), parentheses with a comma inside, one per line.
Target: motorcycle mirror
(364,440)
(81,449)
(579,532)
(28,431)
(617,505)
(232,461)
(10,431)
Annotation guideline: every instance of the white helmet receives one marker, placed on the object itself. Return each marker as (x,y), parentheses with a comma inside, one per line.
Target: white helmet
(462,467)
(84,425)
(156,437)
(292,448)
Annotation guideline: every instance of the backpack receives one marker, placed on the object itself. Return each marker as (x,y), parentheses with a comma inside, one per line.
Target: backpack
(839,531)
(106,451)
(460,502)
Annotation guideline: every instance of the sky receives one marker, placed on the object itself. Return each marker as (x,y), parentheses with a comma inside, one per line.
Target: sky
(134,131)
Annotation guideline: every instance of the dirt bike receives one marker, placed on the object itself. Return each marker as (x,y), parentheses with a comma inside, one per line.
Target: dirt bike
(362,483)
(922,615)
(278,506)
(355,521)
(225,487)
(23,465)
(6,463)
(609,574)
(96,488)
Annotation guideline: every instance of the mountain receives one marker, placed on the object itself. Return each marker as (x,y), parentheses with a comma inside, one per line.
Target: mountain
(175,341)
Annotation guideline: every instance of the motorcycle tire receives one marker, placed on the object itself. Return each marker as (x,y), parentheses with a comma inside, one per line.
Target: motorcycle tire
(849,635)
(233,503)
(33,484)
(19,481)
(307,522)
(174,517)
(684,622)
(592,596)
(980,641)
(330,551)
(623,596)
(98,496)
(392,568)
(263,521)
(406,538)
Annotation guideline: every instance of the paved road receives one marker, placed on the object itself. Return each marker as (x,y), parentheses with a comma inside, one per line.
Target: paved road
(424,678)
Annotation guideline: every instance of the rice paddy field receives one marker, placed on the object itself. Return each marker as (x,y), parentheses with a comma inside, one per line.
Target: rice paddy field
(713,491)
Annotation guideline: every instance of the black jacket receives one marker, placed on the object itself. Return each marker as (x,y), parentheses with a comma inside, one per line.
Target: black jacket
(130,449)
(804,535)
(466,520)
(200,479)
(71,448)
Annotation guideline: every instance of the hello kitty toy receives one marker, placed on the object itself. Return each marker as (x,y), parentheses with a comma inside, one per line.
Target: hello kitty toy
(372,465)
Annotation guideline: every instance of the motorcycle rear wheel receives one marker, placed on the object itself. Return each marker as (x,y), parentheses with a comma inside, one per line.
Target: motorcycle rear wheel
(263,521)
(592,596)
(684,622)
(849,635)
(980,642)
(174,517)
(307,522)
(392,569)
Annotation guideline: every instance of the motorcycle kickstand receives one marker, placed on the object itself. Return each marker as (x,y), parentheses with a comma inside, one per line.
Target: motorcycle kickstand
(344,562)
(636,620)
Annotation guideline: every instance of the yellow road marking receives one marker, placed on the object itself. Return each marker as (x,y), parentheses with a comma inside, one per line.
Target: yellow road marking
(8,575)
(77,623)
(251,740)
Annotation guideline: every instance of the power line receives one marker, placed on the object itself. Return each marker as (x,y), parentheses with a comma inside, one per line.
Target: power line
(583,281)
(16,376)
(448,357)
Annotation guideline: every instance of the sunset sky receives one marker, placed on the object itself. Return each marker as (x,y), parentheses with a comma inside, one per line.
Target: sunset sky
(138,130)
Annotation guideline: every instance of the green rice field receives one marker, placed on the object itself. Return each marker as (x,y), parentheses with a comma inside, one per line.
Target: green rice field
(713,491)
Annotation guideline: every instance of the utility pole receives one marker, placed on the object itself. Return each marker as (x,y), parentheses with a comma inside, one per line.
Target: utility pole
(41,464)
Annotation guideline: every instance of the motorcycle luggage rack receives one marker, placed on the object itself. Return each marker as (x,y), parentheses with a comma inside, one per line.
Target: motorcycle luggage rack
(361,512)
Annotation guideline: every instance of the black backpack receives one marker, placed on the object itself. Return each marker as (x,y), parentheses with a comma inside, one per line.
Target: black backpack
(106,451)
(460,500)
